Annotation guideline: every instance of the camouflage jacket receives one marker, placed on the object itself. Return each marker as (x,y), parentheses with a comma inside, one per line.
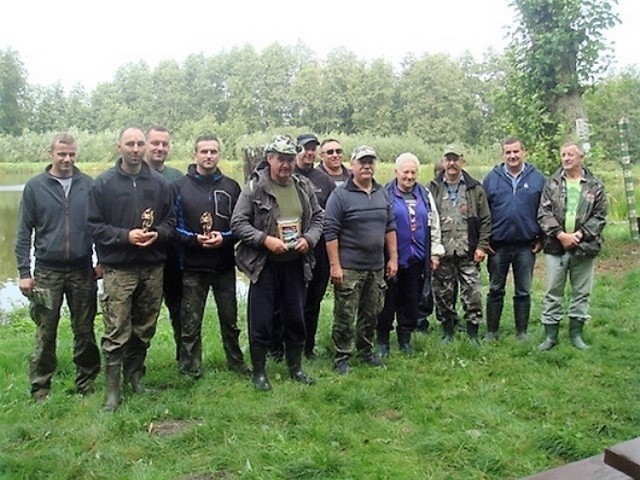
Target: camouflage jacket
(590,217)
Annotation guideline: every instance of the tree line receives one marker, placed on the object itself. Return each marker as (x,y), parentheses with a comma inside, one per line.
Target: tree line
(549,75)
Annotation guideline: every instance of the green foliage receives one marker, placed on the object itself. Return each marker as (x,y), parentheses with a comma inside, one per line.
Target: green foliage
(13,93)
(557,49)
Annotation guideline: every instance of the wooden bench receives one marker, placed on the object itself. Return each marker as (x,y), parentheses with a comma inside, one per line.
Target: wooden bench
(625,457)
(592,468)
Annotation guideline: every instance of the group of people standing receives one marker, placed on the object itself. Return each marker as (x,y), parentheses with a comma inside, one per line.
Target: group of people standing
(391,251)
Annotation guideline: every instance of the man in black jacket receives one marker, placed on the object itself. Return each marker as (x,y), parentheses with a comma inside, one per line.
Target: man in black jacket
(131,220)
(54,208)
(204,200)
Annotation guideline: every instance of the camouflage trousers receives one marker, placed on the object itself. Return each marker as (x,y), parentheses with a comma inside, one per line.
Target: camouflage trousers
(196,287)
(444,288)
(360,298)
(131,303)
(79,289)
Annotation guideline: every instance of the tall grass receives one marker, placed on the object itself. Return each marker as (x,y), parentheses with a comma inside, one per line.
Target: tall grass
(450,412)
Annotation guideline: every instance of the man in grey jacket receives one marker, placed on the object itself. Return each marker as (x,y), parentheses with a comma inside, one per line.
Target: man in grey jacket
(54,208)
(279,222)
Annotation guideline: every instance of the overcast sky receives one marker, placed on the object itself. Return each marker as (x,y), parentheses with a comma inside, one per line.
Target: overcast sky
(85,42)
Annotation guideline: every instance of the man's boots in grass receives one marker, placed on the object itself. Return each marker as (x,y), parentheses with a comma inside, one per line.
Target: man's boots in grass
(259,362)
(472,333)
(112,377)
(494,312)
(551,340)
(447,330)
(575,333)
(521,312)
(293,356)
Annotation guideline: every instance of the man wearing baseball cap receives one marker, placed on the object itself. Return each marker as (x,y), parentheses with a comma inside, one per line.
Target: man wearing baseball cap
(278,221)
(465,219)
(359,228)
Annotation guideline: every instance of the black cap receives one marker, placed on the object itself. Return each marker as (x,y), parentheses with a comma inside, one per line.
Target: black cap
(306,138)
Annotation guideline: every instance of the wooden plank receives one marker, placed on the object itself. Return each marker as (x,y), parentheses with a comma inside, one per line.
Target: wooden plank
(592,468)
(625,457)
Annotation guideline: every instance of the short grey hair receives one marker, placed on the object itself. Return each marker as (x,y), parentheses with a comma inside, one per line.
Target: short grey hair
(578,146)
(407,157)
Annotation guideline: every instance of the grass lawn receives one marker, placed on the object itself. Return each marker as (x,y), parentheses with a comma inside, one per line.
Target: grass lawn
(448,412)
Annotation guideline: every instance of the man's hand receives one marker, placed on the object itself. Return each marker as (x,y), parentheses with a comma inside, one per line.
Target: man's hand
(210,241)
(537,246)
(479,255)
(392,268)
(98,272)
(26,286)
(435,263)
(275,245)
(302,246)
(337,276)
(569,241)
(140,238)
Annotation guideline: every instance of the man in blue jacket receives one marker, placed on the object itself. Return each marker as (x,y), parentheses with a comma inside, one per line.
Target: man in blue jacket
(54,209)
(513,190)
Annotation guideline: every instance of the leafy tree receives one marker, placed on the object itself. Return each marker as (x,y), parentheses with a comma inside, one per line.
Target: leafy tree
(557,50)
(374,99)
(13,93)
(48,108)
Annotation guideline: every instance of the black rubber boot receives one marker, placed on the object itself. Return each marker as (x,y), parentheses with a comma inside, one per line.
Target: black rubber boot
(293,356)
(112,377)
(552,337)
(575,333)
(472,333)
(259,361)
(448,327)
(383,344)
(404,342)
(521,312)
(494,312)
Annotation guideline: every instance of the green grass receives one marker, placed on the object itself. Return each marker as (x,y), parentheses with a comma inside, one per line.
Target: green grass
(448,412)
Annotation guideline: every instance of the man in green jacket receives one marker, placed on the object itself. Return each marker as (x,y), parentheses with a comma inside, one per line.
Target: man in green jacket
(572,215)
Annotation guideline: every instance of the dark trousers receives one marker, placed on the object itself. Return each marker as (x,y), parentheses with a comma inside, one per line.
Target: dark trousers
(522,261)
(172,291)
(280,284)
(315,293)
(402,297)
(79,288)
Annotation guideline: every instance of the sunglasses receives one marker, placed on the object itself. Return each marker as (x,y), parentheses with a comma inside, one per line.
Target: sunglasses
(337,151)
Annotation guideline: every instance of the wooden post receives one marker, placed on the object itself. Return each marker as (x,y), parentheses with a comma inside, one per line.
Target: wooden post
(252,156)
(623,130)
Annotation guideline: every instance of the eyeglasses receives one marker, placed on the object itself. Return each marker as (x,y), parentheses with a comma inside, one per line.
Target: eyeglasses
(451,159)
(337,151)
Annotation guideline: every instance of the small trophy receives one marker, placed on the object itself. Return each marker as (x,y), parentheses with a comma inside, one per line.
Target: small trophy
(289,231)
(206,220)
(147,219)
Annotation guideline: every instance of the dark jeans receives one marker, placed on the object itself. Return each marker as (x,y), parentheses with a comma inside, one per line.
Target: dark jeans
(172,291)
(280,284)
(315,293)
(402,297)
(522,260)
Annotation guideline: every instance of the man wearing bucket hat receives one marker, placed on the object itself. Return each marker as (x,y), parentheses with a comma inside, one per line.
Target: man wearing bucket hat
(278,221)
(465,220)
(359,230)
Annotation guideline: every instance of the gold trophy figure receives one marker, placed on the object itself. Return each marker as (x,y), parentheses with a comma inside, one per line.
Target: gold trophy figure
(206,220)
(147,219)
